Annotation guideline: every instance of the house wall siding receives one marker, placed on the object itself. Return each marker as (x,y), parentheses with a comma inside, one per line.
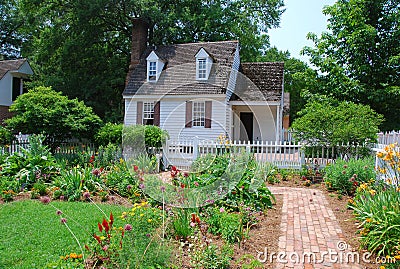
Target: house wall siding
(130,112)
(6,90)
(172,118)
(264,122)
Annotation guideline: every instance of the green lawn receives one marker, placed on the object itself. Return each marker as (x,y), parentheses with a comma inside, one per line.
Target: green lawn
(31,234)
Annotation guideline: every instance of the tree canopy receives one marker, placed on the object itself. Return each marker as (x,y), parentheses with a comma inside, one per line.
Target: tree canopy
(82,47)
(45,111)
(359,59)
(323,122)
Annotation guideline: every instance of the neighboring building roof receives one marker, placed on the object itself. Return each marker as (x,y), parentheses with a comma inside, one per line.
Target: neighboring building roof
(259,82)
(10,65)
(179,76)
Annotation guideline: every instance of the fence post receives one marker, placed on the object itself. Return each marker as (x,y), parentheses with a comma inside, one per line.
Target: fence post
(195,148)
(302,155)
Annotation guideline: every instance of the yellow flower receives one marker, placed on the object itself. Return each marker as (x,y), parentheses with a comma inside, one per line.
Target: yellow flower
(102,238)
(379,154)
(149,220)
(381,267)
(397,257)
(368,220)
(372,192)
(121,160)
(141,215)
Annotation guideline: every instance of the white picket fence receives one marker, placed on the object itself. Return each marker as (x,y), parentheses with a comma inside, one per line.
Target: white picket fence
(281,154)
(389,137)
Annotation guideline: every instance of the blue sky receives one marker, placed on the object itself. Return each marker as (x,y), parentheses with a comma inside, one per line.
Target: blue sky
(300,18)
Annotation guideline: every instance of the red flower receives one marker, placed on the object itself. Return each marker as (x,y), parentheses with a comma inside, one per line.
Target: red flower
(135,168)
(97,238)
(111,219)
(100,227)
(183,185)
(105,225)
(91,159)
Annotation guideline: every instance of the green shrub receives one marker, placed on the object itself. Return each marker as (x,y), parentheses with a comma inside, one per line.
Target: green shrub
(5,136)
(328,123)
(144,135)
(43,110)
(346,176)
(110,133)
(30,164)
(228,225)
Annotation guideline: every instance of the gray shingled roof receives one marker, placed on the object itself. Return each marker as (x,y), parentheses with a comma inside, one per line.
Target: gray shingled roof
(10,65)
(259,81)
(179,75)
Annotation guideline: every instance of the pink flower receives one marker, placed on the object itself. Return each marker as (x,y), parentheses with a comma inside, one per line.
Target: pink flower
(45,199)
(196,183)
(105,247)
(63,220)
(59,212)
(128,227)
(86,195)
(222,210)
(186,174)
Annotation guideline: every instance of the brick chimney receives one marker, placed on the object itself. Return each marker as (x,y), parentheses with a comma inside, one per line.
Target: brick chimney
(140,32)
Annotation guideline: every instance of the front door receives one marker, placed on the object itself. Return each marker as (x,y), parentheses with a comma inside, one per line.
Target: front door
(246,128)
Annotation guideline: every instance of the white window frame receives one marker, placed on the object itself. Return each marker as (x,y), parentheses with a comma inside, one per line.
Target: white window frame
(152,72)
(199,114)
(148,111)
(202,68)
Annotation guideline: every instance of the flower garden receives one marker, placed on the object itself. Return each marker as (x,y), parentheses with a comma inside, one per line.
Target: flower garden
(100,211)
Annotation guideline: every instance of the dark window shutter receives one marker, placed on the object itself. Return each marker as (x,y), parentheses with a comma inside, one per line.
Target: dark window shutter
(139,113)
(156,114)
(188,117)
(208,114)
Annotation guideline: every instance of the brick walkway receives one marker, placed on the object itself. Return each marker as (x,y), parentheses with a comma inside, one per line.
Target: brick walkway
(310,228)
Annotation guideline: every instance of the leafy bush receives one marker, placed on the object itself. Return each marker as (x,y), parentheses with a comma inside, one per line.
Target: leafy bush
(250,190)
(108,155)
(43,110)
(346,176)
(110,133)
(5,136)
(75,182)
(228,225)
(31,164)
(377,208)
(144,135)
(325,123)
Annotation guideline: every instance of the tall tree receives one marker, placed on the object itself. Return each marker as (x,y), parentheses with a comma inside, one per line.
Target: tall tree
(10,22)
(359,59)
(82,47)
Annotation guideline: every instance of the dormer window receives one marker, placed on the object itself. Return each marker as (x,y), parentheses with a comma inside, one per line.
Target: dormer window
(202,68)
(152,71)
(203,64)
(154,67)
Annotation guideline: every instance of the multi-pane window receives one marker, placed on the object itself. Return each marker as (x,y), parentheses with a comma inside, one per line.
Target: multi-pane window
(148,113)
(199,114)
(152,71)
(202,68)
